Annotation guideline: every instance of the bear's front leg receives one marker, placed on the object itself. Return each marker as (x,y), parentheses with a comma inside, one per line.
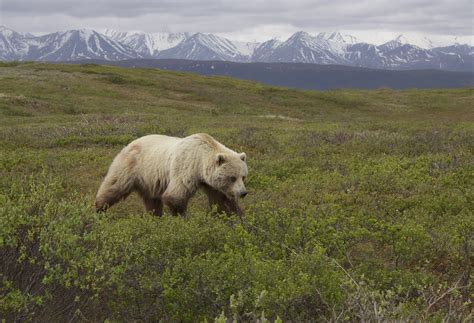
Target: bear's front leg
(223,203)
(233,207)
(176,197)
(153,205)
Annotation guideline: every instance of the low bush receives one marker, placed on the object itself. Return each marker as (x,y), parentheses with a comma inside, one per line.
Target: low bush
(61,260)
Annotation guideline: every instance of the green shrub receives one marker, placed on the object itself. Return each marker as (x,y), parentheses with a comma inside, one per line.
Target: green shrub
(61,260)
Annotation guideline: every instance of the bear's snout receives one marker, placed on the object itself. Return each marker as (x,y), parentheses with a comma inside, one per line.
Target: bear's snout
(243,194)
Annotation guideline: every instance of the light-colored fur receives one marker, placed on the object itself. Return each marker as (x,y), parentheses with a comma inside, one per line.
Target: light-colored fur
(169,170)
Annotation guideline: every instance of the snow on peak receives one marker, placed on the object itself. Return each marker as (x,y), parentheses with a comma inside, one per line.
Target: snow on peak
(200,36)
(207,39)
(13,45)
(147,43)
(268,45)
(78,31)
(301,35)
(3,28)
(272,43)
(302,38)
(245,48)
(414,40)
(338,37)
(7,32)
(215,43)
(116,34)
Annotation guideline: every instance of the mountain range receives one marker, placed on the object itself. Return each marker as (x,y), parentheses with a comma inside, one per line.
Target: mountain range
(401,53)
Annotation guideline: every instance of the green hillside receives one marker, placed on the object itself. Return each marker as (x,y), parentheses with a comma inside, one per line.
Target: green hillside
(360,203)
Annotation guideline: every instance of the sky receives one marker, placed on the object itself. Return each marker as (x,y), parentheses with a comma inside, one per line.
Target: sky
(250,20)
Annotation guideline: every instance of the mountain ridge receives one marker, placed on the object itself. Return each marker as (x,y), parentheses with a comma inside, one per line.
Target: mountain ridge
(323,48)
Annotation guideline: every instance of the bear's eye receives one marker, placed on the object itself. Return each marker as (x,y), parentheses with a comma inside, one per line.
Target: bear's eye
(233,179)
(243,178)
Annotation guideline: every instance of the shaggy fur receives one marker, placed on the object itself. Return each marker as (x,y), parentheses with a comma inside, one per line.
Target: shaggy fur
(168,171)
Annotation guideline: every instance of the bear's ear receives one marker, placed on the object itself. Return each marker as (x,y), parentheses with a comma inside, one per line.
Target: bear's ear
(220,159)
(243,156)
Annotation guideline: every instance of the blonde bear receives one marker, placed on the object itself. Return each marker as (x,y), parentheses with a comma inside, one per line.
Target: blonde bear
(168,171)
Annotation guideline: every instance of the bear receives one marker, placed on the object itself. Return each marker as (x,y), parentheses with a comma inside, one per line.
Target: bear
(168,171)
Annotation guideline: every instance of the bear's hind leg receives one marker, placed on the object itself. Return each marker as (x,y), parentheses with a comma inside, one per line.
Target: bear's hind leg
(153,205)
(111,191)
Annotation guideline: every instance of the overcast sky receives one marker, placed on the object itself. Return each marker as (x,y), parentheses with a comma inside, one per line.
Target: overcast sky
(246,19)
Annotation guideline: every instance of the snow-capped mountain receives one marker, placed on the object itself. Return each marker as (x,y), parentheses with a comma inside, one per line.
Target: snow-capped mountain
(262,52)
(77,44)
(387,55)
(399,55)
(402,52)
(365,55)
(304,48)
(338,37)
(13,45)
(420,41)
(456,49)
(337,42)
(205,47)
(147,44)
(455,57)
(245,48)
(62,46)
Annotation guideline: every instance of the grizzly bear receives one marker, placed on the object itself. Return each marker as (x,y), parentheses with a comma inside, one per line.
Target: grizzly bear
(168,171)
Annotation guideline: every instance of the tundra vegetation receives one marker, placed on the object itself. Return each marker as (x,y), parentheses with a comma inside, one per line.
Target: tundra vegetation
(360,204)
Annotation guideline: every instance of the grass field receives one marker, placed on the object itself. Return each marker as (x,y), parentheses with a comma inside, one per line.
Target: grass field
(360,203)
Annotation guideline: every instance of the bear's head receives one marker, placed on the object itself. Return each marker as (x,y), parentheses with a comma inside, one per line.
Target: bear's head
(229,175)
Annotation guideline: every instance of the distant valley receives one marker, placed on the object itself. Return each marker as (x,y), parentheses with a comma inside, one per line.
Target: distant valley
(307,76)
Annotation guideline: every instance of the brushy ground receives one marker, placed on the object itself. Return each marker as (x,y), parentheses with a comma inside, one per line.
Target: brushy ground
(360,204)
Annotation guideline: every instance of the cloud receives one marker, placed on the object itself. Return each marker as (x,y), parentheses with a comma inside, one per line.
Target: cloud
(245,17)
